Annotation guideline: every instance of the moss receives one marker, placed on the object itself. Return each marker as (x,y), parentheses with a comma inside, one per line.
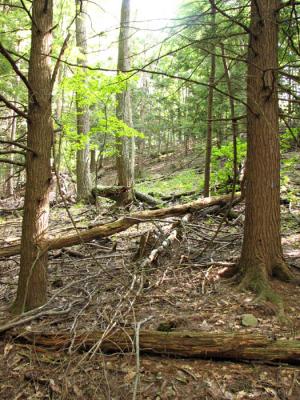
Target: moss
(255,278)
(281,271)
(183,181)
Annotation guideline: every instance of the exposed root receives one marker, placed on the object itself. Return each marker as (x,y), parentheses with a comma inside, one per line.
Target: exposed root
(256,279)
(282,272)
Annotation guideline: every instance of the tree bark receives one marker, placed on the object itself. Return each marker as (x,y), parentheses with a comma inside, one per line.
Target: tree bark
(262,255)
(219,346)
(210,108)
(126,222)
(9,189)
(32,284)
(83,118)
(125,167)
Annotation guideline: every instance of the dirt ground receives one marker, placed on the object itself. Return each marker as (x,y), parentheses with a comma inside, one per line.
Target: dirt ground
(111,283)
(109,286)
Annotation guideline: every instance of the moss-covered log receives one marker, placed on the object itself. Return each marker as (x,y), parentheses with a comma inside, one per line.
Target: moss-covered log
(124,223)
(221,346)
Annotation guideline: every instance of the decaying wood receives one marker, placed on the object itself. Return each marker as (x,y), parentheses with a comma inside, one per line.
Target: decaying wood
(146,198)
(175,196)
(173,236)
(115,193)
(124,223)
(110,192)
(222,346)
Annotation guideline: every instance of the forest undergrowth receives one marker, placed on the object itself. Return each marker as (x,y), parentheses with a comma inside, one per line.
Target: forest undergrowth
(131,281)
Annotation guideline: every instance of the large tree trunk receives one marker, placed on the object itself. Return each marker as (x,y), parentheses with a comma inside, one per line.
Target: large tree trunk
(83,117)
(32,285)
(126,222)
(210,108)
(125,167)
(220,346)
(262,255)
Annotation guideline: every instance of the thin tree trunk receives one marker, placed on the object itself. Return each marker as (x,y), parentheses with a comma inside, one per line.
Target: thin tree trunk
(262,255)
(32,284)
(93,161)
(83,118)
(234,122)
(10,167)
(210,109)
(125,167)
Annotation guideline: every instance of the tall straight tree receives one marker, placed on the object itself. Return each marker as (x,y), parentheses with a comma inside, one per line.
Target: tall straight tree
(32,284)
(210,106)
(262,255)
(125,164)
(83,117)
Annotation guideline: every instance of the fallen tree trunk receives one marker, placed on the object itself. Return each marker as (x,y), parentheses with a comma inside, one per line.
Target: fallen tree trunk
(146,198)
(124,223)
(115,193)
(175,196)
(221,346)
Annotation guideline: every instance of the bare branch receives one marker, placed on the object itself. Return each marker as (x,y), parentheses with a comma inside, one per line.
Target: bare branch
(6,161)
(12,62)
(58,61)
(12,107)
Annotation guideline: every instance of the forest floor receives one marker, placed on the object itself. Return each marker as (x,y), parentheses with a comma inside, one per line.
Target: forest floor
(109,284)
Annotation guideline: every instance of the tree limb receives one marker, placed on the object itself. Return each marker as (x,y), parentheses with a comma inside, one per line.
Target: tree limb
(12,107)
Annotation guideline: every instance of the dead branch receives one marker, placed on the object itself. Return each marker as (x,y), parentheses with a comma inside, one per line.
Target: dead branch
(124,223)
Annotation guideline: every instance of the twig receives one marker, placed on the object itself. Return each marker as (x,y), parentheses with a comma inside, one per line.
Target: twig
(137,352)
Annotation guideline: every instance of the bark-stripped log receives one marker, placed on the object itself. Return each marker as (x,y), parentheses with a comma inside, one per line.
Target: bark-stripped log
(222,346)
(124,223)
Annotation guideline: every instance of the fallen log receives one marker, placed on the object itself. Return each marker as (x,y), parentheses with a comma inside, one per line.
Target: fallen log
(195,344)
(124,223)
(146,198)
(176,196)
(115,193)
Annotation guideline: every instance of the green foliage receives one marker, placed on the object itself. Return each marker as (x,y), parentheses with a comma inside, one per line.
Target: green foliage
(97,92)
(222,164)
(289,138)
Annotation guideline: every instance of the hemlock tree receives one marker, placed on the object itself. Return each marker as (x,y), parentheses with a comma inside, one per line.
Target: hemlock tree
(262,255)
(125,167)
(83,118)
(32,284)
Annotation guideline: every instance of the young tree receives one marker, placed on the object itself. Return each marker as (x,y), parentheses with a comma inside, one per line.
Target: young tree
(262,255)
(210,107)
(32,284)
(125,167)
(83,118)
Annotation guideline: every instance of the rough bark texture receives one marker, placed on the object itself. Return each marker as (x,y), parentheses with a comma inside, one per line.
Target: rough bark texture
(262,255)
(83,117)
(126,222)
(125,167)
(210,109)
(222,346)
(32,285)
